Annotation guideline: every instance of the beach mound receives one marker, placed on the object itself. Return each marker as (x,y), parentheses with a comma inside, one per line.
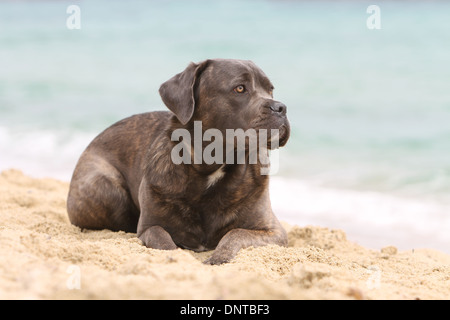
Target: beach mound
(43,256)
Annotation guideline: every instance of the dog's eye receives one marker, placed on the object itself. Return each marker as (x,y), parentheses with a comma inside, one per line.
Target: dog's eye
(239,89)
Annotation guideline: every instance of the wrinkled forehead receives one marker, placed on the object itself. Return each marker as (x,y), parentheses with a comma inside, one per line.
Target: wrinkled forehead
(236,72)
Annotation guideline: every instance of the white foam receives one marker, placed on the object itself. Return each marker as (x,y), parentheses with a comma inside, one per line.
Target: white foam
(369,218)
(42,153)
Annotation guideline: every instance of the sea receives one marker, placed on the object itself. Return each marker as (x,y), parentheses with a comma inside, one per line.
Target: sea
(366,84)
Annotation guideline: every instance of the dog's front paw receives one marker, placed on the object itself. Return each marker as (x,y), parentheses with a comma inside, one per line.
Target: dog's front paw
(219,257)
(157,238)
(216,260)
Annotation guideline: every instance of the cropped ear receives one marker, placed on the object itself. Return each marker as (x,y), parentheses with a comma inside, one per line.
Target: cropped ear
(177,93)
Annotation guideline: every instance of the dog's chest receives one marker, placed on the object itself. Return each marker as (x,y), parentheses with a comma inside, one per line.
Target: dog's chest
(211,206)
(204,220)
(214,177)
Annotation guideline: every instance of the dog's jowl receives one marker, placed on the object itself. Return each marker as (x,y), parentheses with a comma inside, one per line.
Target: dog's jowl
(126,178)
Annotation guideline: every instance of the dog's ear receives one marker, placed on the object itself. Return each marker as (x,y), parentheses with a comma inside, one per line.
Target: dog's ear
(177,93)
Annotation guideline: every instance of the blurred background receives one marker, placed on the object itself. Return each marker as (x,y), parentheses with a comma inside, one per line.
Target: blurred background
(369,109)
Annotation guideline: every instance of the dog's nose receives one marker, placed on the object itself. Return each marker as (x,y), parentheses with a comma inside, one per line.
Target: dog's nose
(278,107)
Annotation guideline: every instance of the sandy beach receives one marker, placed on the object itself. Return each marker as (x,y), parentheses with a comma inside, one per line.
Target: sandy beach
(44,257)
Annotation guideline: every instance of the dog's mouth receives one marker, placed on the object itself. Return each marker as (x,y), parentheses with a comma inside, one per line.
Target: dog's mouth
(279,137)
(279,134)
(285,132)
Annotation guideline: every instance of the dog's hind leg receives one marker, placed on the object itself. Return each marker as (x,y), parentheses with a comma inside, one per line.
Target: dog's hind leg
(99,199)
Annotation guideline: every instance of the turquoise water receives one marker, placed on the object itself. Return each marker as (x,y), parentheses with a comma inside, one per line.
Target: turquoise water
(369,109)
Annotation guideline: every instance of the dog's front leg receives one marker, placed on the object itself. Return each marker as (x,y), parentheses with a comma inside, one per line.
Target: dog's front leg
(156,237)
(148,231)
(237,239)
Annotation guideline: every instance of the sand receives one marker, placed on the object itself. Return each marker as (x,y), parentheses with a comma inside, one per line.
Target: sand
(43,256)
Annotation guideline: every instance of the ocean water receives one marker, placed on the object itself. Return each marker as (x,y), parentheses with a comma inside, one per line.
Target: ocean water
(369,109)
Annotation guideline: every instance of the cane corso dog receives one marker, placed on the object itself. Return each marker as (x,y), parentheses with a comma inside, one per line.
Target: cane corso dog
(126,179)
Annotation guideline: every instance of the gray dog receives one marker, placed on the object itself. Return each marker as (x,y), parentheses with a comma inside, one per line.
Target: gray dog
(126,179)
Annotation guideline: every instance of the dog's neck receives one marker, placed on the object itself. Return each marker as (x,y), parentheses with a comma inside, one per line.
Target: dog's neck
(214,171)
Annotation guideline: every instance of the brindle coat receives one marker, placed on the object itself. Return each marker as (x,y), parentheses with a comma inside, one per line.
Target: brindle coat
(126,180)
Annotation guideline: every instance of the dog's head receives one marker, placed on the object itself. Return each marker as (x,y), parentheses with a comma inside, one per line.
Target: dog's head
(226,94)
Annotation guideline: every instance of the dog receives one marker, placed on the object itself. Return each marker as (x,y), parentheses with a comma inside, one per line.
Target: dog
(126,179)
